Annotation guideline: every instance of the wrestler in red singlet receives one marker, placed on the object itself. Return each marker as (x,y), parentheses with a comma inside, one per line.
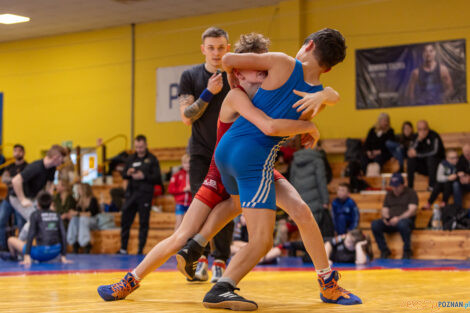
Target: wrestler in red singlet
(212,191)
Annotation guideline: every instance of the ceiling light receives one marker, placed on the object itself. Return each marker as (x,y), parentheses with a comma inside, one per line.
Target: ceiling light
(12,19)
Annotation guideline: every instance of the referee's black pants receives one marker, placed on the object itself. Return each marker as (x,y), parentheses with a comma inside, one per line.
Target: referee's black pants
(136,202)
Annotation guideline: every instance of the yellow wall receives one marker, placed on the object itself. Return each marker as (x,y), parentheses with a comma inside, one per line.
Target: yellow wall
(72,87)
(367,24)
(77,86)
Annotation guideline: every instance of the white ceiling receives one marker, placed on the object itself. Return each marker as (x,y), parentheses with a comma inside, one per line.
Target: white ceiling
(52,17)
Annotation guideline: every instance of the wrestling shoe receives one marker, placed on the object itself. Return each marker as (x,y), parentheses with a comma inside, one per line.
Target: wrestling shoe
(187,258)
(223,296)
(330,292)
(120,290)
(201,270)
(218,269)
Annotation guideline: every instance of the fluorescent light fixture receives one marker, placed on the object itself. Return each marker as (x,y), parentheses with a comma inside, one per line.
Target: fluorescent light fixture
(12,19)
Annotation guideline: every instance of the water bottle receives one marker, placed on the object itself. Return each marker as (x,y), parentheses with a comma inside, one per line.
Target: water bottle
(436,217)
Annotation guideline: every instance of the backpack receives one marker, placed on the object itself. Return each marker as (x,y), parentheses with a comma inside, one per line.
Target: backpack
(455,217)
(353,150)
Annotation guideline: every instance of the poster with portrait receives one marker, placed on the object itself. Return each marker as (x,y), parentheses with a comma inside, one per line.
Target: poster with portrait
(411,75)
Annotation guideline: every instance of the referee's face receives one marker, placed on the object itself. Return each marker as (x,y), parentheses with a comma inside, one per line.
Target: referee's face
(214,48)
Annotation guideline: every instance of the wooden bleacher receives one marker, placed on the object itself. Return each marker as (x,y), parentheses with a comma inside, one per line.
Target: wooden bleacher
(109,241)
(429,244)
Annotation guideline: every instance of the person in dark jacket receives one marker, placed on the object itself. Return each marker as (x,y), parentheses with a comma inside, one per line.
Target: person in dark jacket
(424,154)
(308,176)
(374,146)
(142,172)
(401,144)
(47,229)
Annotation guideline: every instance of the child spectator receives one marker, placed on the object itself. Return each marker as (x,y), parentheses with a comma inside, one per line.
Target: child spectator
(447,181)
(180,188)
(47,229)
(345,211)
(117,200)
(83,219)
(64,201)
(353,247)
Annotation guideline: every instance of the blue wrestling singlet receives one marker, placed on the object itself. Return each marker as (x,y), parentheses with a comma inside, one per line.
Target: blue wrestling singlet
(245,156)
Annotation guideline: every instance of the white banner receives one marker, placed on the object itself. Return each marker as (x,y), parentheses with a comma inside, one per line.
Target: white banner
(168,79)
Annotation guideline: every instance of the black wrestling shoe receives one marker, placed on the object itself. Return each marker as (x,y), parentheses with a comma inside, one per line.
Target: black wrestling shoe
(223,296)
(187,258)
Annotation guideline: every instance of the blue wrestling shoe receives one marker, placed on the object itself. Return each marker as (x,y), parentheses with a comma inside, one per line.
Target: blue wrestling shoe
(330,292)
(120,290)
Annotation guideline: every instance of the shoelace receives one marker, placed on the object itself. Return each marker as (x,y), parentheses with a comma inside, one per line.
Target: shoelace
(332,284)
(121,289)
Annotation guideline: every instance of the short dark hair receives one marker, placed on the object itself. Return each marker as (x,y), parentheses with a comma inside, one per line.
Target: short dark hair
(252,42)
(346,185)
(56,149)
(330,47)
(20,146)
(214,32)
(141,138)
(44,200)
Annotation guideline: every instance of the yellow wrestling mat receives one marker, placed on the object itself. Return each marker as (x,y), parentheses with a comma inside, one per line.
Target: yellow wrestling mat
(391,290)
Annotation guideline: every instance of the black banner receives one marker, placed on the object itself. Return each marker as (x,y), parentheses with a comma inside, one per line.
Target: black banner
(411,75)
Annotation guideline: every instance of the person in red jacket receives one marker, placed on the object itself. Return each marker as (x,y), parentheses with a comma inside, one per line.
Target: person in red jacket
(179,187)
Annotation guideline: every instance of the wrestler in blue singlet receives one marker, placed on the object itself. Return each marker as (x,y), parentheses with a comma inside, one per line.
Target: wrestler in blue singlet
(245,156)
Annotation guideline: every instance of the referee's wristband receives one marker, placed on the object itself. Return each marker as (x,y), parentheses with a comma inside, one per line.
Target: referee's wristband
(206,95)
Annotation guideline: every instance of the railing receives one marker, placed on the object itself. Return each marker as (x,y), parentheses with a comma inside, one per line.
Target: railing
(104,162)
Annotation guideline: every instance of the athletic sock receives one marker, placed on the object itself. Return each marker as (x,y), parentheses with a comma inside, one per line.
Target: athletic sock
(227,280)
(135,276)
(200,240)
(324,273)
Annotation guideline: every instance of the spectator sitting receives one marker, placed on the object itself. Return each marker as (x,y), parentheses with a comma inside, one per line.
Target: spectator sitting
(6,209)
(308,176)
(398,214)
(345,211)
(447,181)
(463,169)
(401,144)
(83,219)
(47,229)
(352,247)
(117,200)
(64,201)
(424,155)
(375,148)
(179,187)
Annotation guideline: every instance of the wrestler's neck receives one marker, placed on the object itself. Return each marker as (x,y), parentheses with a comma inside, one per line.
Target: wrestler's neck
(312,73)
(250,88)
